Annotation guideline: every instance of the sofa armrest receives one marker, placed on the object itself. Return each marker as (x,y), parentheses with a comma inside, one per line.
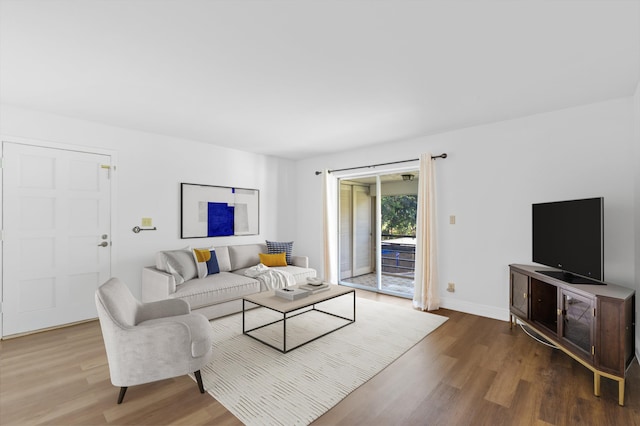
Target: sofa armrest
(156,284)
(166,308)
(301,261)
(157,349)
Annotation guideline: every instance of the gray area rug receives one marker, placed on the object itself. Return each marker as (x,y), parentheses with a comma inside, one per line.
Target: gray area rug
(262,386)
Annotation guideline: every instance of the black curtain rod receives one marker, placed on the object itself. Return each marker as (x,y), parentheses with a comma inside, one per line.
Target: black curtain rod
(433,157)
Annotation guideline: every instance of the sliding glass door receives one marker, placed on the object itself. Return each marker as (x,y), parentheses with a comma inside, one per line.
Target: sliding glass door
(377,232)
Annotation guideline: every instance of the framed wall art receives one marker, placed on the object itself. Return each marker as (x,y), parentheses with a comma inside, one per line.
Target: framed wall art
(218,211)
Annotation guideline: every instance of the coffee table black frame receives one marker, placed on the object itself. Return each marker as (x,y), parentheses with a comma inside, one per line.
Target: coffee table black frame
(290,309)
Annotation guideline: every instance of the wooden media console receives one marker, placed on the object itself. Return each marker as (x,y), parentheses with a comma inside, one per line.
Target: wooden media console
(593,323)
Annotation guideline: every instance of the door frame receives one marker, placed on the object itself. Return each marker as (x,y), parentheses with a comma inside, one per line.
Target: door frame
(65,147)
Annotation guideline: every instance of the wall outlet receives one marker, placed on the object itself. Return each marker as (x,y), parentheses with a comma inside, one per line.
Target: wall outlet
(451,287)
(147,222)
(452,219)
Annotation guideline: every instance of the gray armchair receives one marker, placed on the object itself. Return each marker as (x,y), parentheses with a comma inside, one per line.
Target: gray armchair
(146,342)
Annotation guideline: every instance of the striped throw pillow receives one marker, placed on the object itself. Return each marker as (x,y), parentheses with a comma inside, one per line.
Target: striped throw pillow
(274,247)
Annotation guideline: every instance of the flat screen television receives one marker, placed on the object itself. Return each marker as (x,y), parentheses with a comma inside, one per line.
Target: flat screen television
(569,235)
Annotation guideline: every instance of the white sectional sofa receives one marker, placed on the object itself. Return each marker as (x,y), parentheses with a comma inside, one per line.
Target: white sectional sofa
(175,276)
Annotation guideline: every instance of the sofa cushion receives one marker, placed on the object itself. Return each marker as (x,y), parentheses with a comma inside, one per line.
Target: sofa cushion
(178,263)
(274,247)
(161,258)
(245,256)
(300,274)
(216,288)
(224,262)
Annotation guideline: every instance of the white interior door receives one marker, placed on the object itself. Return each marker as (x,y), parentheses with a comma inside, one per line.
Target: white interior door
(56,235)
(362,231)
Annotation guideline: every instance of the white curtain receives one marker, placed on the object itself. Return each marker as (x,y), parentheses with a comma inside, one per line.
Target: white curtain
(330,226)
(426,295)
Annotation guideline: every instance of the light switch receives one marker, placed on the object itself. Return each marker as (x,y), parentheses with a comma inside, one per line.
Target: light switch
(452,219)
(147,222)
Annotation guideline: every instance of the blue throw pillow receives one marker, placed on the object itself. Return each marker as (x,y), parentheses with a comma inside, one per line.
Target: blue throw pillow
(274,247)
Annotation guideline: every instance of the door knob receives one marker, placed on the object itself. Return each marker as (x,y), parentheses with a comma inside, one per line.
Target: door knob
(103,244)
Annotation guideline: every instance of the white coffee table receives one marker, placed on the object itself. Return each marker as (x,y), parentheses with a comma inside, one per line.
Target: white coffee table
(293,308)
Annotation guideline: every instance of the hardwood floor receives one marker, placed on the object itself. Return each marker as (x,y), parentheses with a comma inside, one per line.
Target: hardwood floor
(470,371)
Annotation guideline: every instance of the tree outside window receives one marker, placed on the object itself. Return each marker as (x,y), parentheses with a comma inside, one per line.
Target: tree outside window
(399,215)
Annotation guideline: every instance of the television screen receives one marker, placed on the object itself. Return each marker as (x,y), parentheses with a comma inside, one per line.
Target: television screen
(568,235)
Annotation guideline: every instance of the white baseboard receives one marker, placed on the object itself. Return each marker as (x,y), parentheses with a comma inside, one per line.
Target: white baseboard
(475,309)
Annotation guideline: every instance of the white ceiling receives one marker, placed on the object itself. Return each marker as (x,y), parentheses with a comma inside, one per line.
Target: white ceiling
(302,78)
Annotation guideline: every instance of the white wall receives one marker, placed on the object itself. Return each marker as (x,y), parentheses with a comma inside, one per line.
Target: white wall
(150,169)
(492,176)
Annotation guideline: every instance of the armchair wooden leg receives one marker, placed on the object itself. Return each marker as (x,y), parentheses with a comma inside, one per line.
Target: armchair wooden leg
(199,380)
(123,390)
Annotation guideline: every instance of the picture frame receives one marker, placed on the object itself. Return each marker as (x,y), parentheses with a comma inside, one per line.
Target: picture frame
(218,211)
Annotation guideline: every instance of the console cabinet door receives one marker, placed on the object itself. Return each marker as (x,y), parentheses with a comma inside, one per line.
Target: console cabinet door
(577,328)
(519,300)
(544,305)
(614,334)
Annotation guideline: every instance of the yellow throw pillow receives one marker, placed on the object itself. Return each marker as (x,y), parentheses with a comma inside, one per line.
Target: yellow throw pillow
(278,259)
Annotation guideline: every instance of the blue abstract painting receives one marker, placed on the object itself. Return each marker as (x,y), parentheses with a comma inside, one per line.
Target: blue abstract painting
(218,211)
